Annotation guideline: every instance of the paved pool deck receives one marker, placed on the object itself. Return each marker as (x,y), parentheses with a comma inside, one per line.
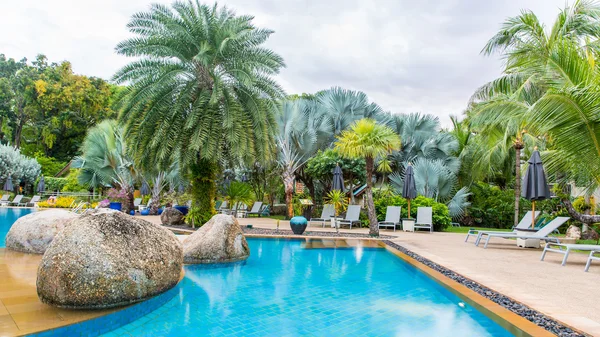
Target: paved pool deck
(567,293)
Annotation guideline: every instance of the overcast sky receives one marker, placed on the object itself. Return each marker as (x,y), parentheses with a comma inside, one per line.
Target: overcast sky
(407,55)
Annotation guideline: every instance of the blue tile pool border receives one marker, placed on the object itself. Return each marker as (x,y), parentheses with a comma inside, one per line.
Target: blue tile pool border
(114,320)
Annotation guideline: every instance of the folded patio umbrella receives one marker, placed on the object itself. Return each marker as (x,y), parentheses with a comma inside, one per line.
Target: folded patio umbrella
(535,186)
(41,187)
(409,189)
(338,179)
(145,189)
(8,185)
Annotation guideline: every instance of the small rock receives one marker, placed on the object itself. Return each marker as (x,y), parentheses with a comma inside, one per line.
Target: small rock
(220,240)
(573,232)
(589,234)
(171,217)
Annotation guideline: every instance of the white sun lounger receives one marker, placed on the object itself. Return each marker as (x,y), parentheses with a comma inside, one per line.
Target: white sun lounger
(424,218)
(352,216)
(34,200)
(392,217)
(524,223)
(541,234)
(17,200)
(256,209)
(137,202)
(591,258)
(566,248)
(326,214)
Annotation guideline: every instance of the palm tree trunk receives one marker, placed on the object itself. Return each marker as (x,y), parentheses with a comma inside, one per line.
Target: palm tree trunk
(204,188)
(518,146)
(373,225)
(288,183)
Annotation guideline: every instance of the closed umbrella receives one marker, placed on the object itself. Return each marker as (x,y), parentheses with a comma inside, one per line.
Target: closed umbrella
(338,179)
(8,185)
(41,187)
(535,185)
(409,189)
(145,189)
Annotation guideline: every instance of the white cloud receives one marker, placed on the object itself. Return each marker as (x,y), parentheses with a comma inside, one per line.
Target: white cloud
(406,55)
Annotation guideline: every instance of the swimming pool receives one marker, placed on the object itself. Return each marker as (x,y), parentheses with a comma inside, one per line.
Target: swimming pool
(288,288)
(8,215)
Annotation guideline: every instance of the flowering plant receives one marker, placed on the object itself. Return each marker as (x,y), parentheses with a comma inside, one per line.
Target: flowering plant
(104,203)
(116,195)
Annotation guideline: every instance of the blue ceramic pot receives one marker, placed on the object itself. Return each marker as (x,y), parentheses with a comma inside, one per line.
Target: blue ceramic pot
(182,209)
(147,212)
(298,224)
(160,210)
(117,206)
(132,212)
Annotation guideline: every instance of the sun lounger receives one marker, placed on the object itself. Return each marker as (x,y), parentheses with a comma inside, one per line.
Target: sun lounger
(392,217)
(223,209)
(424,218)
(5,200)
(34,200)
(326,214)
(541,234)
(591,258)
(137,202)
(565,249)
(256,209)
(266,210)
(141,207)
(352,216)
(524,223)
(17,200)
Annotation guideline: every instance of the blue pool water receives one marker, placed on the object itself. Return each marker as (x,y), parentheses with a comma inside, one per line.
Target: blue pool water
(284,289)
(8,216)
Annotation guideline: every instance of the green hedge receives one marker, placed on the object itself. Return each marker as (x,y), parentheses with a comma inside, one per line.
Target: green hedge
(441,217)
(54,184)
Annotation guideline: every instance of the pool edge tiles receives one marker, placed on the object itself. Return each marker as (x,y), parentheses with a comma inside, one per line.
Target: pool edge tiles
(113,320)
(516,324)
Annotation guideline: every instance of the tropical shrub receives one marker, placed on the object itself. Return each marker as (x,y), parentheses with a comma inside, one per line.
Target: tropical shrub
(20,168)
(50,166)
(61,202)
(239,192)
(72,183)
(441,217)
(55,184)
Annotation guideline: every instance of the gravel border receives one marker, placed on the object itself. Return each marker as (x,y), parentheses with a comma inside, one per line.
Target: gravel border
(520,309)
(289,233)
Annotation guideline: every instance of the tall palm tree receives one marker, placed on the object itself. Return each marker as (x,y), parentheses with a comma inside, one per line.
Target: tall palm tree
(105,161)
(370,140)
(201,90)
(504,104)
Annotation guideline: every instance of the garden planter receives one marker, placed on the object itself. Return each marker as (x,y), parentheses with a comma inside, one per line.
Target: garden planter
(182,209)
(408,225)
(145,212)
(298,224)
(117,206)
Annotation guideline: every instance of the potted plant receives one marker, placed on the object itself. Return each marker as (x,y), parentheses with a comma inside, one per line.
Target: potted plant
(339,201)
(183,203)
(116,198)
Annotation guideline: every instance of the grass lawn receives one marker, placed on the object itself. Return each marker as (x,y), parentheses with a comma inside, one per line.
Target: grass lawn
(465,229)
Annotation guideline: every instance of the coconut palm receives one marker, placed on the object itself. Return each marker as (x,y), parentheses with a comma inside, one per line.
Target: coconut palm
(500,108)
(370,140)
(105,161)
(201,90)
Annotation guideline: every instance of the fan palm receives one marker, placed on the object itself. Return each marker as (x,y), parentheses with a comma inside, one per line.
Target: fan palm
(105,161)
(201,90)
(367,139)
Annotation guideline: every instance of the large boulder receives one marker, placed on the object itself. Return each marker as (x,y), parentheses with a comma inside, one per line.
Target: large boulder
(106,260)
(34,232)
(219,240)
(573,232)
(171,216)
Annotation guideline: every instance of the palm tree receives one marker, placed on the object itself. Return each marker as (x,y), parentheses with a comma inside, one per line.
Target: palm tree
(201,91)
(500,108)
(105,161)
(367,139)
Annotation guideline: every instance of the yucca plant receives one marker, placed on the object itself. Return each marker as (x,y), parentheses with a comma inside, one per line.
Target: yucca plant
(339,201)
(201,90)
(370,140)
